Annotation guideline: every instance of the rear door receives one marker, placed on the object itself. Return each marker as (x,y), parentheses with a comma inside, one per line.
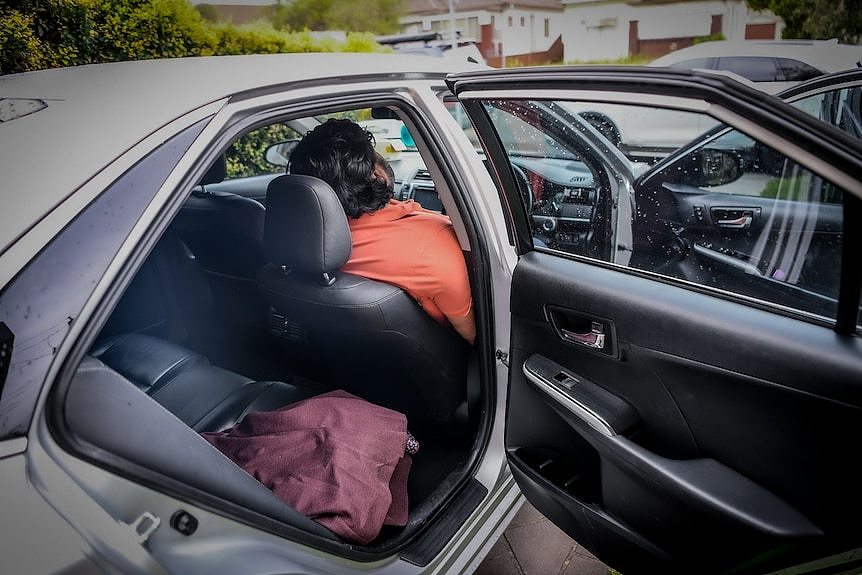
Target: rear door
(685,386)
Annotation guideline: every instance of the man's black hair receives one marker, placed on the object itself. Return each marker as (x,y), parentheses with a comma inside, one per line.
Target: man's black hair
(341,153)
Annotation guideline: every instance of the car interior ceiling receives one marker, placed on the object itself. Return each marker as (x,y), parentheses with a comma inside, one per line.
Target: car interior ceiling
(194,336)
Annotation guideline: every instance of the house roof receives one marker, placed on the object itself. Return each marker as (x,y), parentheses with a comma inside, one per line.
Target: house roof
(435,7)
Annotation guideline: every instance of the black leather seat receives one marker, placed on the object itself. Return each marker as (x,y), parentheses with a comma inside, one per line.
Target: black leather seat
(107,408)
(224,233)
(205,397)
(374,339)
(223,230)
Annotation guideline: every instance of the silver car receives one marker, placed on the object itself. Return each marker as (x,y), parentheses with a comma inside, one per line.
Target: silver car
(667,361)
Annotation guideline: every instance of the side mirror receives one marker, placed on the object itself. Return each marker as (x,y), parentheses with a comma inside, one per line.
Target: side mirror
(279,154)
(718,167)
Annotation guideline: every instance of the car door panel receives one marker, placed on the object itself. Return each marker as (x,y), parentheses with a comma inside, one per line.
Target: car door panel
(719,427)
(675,403)
(723,228)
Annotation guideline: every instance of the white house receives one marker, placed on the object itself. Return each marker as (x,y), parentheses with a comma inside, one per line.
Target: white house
(611,29)
(526,31)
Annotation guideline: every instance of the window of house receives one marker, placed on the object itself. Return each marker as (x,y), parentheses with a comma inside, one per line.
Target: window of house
(547,27)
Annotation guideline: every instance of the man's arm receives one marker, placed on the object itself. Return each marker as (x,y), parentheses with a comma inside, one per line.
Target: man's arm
(466,326)
(443,260)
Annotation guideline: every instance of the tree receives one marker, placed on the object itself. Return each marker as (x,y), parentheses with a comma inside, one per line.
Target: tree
(377,16)
(817,19)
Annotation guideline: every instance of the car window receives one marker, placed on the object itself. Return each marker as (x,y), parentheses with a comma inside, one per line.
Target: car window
(392,139)
(796,71)
(726,211)
(755,68)
(46,297)
(247,155)
(841,108)
(704,63)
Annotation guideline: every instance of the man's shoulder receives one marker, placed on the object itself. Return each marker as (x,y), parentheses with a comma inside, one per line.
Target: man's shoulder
(415,212)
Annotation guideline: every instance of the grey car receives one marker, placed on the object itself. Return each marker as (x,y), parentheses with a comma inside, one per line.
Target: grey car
(667,362)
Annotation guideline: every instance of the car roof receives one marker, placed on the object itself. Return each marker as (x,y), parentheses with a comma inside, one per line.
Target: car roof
(58,128)
(826,55)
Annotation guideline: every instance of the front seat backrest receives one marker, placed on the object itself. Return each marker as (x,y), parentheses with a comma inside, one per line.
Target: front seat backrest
(374,338)
(224,231)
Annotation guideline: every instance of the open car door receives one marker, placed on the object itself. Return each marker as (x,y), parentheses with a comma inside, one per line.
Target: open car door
(685,369)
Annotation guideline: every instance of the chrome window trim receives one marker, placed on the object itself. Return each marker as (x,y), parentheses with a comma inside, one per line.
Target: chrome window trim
(583,412)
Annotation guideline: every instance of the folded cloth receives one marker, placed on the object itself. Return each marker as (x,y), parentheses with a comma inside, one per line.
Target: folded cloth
(335,457)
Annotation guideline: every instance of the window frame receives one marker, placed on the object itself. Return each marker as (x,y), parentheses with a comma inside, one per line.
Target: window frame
(249,113)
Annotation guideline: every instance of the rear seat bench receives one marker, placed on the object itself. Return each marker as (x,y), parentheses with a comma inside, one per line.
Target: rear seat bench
(110,407)
(205,397)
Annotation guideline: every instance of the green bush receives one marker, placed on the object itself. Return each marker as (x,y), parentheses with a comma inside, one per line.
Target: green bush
(711,38)
(262,38)
(45,34)
(634,60)
(246,156)
(377,16)
(20,49)
(38,34)
(144,29)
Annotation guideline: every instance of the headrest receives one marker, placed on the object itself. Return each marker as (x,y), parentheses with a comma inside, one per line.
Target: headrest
(216,173)
(306,228)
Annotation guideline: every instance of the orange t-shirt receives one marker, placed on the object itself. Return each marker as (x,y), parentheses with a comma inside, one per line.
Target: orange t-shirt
(415,249)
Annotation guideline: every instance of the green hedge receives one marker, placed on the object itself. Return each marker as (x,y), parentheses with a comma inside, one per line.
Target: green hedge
(37,34)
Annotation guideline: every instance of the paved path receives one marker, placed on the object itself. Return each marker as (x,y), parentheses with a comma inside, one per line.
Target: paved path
(532,545)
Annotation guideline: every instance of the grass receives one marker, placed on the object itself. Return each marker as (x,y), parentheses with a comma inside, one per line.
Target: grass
(793,188)
(636,60)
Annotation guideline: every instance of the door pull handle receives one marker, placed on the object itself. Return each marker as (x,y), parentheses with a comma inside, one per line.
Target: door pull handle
(741,222)
(594,339)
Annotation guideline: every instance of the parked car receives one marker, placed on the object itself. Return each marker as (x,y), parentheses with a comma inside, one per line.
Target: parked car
(434,44)
(773,65)
(667,362)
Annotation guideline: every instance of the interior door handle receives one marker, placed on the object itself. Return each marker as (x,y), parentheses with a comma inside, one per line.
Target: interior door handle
(740,223)
(734,217)
(595,338)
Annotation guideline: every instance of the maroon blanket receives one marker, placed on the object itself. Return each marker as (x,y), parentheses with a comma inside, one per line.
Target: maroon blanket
(335,457)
